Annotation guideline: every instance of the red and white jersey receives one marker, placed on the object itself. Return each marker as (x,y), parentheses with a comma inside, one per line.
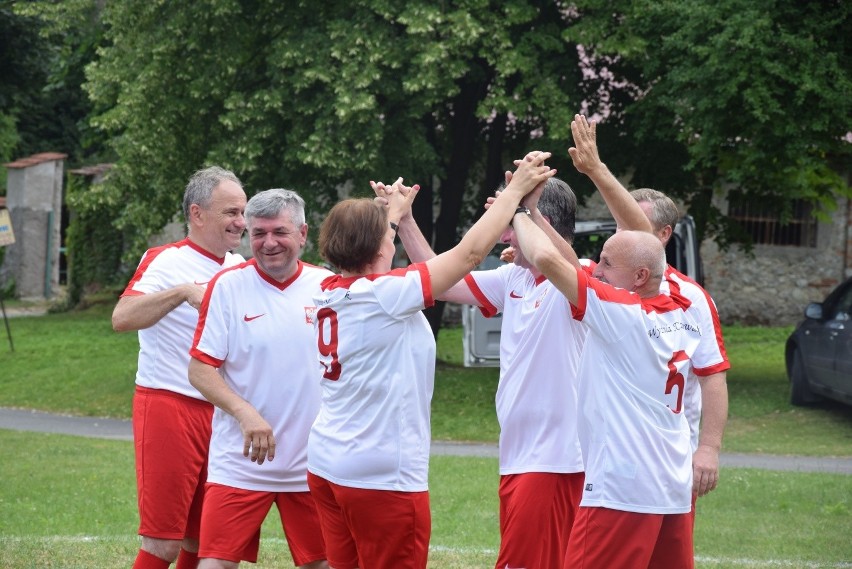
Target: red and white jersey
(710,357)
(260,334)
(378,351)
(540,346)
(633,431)
(164,347)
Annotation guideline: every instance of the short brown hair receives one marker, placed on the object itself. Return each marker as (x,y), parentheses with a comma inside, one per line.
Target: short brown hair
(351,234)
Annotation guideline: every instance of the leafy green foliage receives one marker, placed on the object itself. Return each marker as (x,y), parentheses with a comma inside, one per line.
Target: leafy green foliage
(312,96)
(48,46)
(737,95)
(94,247)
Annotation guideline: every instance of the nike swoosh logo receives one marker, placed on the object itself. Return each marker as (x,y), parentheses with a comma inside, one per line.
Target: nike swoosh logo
(204,283)
(248,318)
(513,294)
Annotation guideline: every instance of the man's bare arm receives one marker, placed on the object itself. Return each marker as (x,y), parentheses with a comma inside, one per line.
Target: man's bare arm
(584,154)
(258,439)
(137,312)
(714,416)
(543,254)
(531,202)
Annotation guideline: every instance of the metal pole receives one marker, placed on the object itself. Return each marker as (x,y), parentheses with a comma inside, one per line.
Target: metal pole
(48,265)
(6,321)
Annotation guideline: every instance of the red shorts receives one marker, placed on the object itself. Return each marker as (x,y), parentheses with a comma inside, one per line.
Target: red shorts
(171,433)
(537,511)
(230,524)
(379,529)
(610,539)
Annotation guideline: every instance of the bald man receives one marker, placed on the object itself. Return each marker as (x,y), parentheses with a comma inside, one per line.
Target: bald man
(634,436)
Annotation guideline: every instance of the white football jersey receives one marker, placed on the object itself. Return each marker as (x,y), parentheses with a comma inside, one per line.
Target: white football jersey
(540,346)
(260,334)
(164,347)
(710,357)
(378,354)
(633,370)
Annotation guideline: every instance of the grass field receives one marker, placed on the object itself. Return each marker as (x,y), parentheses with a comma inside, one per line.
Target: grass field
(69,502)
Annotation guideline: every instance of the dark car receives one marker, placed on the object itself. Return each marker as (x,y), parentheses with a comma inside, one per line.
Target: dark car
(819,351)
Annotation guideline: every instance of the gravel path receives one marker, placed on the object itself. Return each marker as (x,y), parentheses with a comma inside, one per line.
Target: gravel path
(36,421)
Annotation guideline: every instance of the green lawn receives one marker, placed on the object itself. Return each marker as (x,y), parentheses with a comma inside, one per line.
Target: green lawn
(69,502)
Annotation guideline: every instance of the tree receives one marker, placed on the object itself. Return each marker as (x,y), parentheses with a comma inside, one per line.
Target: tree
(43,107)
(749,96)
(312,95)
(23,72)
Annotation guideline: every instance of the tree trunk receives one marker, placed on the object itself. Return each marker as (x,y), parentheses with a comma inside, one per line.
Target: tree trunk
(494,167)
(464,130)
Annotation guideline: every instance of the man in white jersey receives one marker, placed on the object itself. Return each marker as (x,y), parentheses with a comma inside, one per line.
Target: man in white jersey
(171,419)
(541,467)
(706,393)
(253,357)
(633,432)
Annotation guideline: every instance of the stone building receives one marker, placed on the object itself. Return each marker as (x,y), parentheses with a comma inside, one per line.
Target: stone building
(787,270)
(34,199)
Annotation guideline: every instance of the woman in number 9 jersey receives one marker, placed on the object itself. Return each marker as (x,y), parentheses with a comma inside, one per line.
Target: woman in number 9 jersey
(368,451)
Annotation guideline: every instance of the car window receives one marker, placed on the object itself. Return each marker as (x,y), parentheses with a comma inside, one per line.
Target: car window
(842,305)
(838,303)
(589,245)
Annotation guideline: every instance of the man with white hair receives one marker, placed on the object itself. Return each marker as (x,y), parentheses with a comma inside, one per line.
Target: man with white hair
(706,393)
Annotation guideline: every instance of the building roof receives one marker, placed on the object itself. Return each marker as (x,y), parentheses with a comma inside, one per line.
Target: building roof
(36,159)
(93,170)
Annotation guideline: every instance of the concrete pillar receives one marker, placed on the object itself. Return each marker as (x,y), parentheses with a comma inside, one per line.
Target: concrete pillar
(34,200)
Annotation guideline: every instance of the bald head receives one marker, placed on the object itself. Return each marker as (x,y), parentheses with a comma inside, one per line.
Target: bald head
(633,260)
(647,251)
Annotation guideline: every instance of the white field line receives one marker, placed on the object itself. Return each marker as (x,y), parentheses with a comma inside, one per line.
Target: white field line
(703,559)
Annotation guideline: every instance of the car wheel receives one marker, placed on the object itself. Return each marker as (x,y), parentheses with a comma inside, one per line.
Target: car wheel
(800,391)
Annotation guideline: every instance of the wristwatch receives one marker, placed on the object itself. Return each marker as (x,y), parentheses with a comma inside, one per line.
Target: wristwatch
(521,209)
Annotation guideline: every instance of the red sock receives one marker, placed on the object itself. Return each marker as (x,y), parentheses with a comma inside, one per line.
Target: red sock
(187,559)
(145,560)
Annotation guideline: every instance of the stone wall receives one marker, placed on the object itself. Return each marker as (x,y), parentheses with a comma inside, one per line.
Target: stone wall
(773,286)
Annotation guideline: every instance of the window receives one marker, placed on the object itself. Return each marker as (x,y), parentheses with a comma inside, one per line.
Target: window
(764,223)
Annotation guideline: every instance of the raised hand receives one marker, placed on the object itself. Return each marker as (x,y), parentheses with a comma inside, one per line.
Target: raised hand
(400,197)
(584,153)
(380,190)
(530,172)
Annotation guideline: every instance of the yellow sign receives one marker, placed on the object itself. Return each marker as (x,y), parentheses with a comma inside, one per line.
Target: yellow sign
(7,236)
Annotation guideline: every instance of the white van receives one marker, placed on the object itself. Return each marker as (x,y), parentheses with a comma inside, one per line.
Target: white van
(481,337)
